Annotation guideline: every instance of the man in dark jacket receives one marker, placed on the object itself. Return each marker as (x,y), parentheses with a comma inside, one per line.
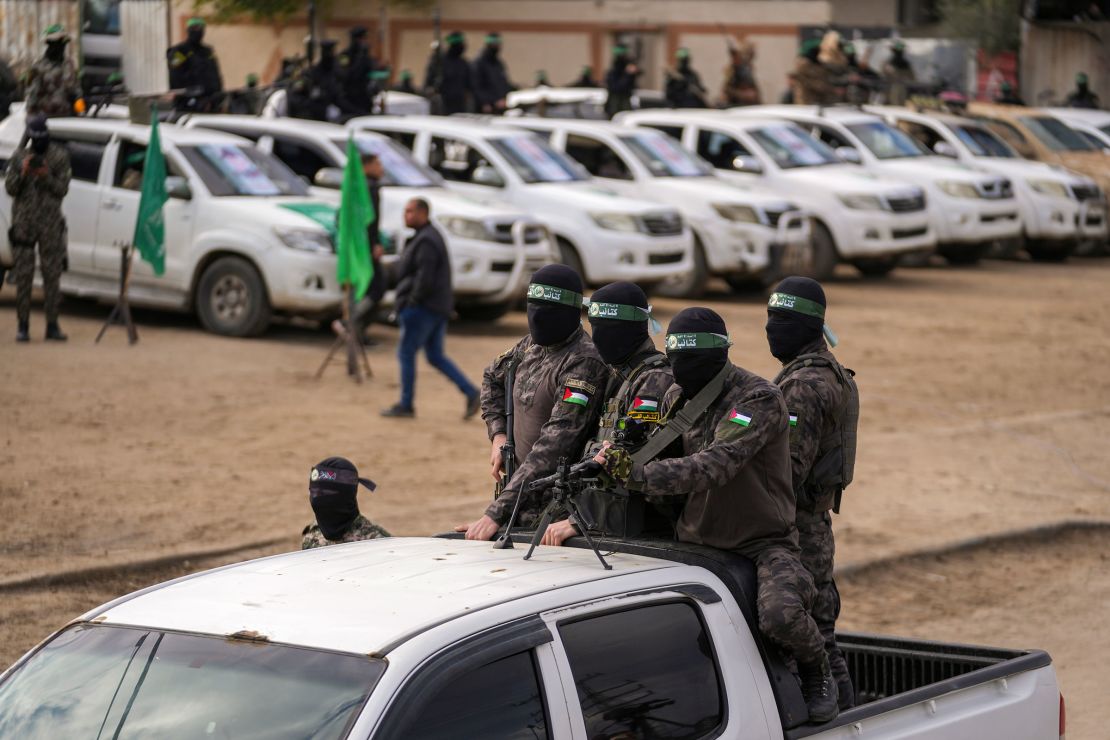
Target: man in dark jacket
(684,88)
(1081,96)
(453,80)
(424,303)
(356,64)
(620,82)
(194,69)
(491,79)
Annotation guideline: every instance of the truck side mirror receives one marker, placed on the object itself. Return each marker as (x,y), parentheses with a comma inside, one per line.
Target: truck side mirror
(488,176)
(848,154)
(178,187)
(328,177)
(744,163)
(944,149)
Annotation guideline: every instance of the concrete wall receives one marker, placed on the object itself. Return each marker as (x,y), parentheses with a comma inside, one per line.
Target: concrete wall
(558,36)
(864,12)
(1052,54)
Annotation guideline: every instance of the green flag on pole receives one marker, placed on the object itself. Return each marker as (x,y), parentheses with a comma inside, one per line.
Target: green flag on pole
(355,214)
(150,228)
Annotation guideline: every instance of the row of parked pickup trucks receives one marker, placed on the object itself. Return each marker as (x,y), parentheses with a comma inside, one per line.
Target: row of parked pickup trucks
(664,198)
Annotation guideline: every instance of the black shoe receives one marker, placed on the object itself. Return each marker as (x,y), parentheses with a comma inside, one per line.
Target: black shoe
(397,411)
(819,690)
(23,333)
(845,692)
(54,332)
(473,403)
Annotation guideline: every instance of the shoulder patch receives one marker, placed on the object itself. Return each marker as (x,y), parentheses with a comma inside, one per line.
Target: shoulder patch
(739,417)
(576,397)
(793,418)
(644,404)
(581,385)
(177,59)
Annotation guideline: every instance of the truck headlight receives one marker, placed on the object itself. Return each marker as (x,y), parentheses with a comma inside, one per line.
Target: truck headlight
(306,240)
(1049,187)
(861,202)
(737,212)
(467,228)
(959,189)
(616,221)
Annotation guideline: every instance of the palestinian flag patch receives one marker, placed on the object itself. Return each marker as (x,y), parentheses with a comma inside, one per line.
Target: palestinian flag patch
(793,420)
(737,418)
(578,398)
(644,404)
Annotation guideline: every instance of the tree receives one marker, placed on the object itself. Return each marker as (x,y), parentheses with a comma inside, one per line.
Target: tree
(995,25)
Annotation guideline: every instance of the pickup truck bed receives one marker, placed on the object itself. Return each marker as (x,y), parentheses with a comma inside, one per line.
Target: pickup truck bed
(889,673)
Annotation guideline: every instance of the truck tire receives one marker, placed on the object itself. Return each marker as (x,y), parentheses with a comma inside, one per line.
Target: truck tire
(231,299)
(691,284)
(824,252)
(482,312)
(963,254)
(568,255)
(1042,251)
(876,266)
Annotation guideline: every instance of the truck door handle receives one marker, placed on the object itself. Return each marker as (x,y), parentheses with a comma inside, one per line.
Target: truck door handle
(112,205)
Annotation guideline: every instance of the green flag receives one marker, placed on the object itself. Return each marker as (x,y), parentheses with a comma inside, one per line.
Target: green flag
(355,214)
(150,228)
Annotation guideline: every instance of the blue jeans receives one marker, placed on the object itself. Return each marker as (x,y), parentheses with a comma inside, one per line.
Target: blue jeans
(423,329)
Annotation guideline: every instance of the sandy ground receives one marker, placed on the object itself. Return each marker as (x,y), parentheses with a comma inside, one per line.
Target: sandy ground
(986,407)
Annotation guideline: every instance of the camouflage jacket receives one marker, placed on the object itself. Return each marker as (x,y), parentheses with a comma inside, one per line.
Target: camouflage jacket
(362,529)
(556,402)
(814,399)
(37,194)
(735,472)
(812,83)
(52,88)
(643,397)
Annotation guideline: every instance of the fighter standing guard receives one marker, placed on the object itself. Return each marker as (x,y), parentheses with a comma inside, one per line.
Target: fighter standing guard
(736,477)
(639,374)
(37,179)
(52,88)
(823,404)
(195,70)
(558,378)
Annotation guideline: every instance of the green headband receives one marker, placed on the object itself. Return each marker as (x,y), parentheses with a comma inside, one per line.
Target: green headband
(493,38)
(454,38)
(697,340)
(623,312)
(682,53)
(620,49)
(797,304)
(194,22)
(551,294)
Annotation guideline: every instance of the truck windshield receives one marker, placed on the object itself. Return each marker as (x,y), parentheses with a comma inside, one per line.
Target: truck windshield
(534,160)
(887,142)
(401,170)
(790,147)
(116,682)
(1055,134)
(983,143)
(664,156)
(232,169)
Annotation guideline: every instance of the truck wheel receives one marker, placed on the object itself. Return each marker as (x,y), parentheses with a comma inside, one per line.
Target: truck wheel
(231,299)
(824,253)
(1049,251)
(691,284)
(482,312)
(876,266)
(963,254)
(568,255)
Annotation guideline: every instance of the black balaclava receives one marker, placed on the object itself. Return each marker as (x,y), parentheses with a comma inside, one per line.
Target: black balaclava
(327,54)
(456,44)
(195,34)
(1081,83)
(56,50)
(616,338)
(37,134)
(493,45)
(332,488)
(697,346)
(554,304)
(795,317)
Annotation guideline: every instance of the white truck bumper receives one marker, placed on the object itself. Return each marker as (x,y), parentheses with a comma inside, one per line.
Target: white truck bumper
(636,257)
(882,234)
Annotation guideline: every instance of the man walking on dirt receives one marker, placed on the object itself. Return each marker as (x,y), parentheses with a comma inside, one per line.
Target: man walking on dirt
(735,475)
(37,179)
(424,304)
(822,402)
(558,380)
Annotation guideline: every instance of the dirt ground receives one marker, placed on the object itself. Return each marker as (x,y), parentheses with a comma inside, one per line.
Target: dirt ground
(986,407)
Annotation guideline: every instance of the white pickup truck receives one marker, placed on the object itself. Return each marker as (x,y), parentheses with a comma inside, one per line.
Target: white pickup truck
(602,235)
(445,639)
(244,237)
(970,209)
(740,236)
(494,247)
(860,218)
(1060,209)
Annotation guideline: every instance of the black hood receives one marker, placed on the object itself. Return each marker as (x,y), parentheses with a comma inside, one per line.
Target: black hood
(694,368)
(332,492)
(554,304)
(795,317)
(617,338)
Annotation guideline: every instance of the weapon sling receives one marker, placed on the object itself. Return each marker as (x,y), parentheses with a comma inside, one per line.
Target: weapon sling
(684,419)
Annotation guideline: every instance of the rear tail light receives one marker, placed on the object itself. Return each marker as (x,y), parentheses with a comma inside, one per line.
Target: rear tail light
(1063,717)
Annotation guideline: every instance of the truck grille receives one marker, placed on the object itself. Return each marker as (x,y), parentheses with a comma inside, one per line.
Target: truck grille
(909,233)
(988,219)
(996,189)
(665,259)
(663,224)
(533,233)
(1085,192)
(907,204)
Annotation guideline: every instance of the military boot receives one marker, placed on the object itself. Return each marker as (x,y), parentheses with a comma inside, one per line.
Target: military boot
(23,333)
(54,332)
(819,690)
